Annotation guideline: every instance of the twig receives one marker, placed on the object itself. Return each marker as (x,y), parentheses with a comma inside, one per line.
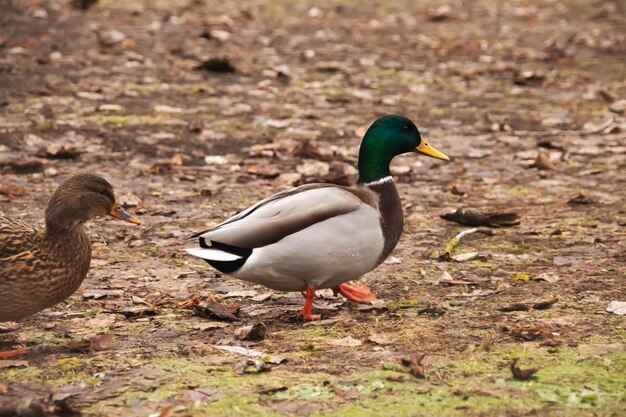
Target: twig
(447,254)
(6,354)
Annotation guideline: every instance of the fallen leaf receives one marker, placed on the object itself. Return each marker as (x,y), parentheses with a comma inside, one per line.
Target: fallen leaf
(218,65)
(530,78)
(447,279)
(522,374)
(547,277)
(534,304)
(189,303)
(203,395)
(29,166)
(414,363)
(8,364)
(102,341)
(381,339)
(82,4)
(472,218)
(250,366)
(348,341)
(101,293)
(138,312)
(580,199)
(464,257)
(209,325)
(255,332)
(215,310)
(241,293)
(164,108)
(617,307)
(487,342)
(59,152)
(548,337)
(521,277)
(564,260)
(12,191)
(274,390)
(276,359)
(444,13)
(166,411)
(346,393)
(544,161)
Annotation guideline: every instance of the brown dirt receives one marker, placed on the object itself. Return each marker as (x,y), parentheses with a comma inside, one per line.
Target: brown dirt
(486,82)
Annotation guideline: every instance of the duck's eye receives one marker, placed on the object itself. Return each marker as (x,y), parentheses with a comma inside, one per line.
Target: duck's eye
(406,127)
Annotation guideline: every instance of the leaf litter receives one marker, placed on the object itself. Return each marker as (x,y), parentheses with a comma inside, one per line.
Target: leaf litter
(220,141)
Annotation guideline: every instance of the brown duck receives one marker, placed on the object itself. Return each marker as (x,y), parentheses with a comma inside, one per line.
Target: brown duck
(42,267)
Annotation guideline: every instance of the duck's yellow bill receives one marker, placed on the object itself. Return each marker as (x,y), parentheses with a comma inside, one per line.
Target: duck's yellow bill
(119,213)
(428,150)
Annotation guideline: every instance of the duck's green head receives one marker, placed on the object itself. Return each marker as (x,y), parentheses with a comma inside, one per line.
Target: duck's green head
(386,138)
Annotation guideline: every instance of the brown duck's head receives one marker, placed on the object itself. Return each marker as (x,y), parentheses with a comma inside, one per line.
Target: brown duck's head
(81,198)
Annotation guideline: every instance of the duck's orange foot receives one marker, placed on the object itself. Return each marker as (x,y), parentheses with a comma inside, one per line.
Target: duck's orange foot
(308,305)
(308,316)
(360,294)
(6,354)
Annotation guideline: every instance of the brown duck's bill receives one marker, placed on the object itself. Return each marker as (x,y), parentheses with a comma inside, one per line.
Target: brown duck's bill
(121,214)
(428,150)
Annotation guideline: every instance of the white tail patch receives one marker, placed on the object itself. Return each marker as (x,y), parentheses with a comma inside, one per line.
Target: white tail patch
(213,254)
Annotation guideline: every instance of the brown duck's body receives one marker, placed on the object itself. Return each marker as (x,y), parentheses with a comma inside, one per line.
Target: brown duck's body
(42,267)
(38,268)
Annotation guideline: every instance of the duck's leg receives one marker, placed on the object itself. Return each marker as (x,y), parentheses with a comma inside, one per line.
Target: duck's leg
(308,304)
(6,354)
(360,294)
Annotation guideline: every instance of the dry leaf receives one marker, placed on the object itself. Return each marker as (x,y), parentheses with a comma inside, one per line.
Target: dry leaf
(215,310)
(414,363)
(381,339)
(255,332)
(102,341)
(522,374)
(472,218)
(217,65)
(348,341)
(12,191)
(543,160)
(580,199)
(617,307)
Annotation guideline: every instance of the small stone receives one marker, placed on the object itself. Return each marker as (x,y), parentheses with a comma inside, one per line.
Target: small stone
(87,95)
(50,172)
(115,108)
(129,200)
(164,108)
(215,160)
(314,168)
(618,107)
(40,14)
(220,35)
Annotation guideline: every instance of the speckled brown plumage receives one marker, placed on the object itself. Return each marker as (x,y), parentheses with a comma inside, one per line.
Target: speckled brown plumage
(42,267)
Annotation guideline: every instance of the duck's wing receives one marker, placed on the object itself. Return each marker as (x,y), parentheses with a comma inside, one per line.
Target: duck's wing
(17,239)
(286,213)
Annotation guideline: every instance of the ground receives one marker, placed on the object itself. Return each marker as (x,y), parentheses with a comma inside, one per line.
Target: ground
(527,98)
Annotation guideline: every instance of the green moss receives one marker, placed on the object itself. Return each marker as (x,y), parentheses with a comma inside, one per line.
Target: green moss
(30,373)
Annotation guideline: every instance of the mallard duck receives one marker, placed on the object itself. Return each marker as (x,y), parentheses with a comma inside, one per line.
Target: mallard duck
(42,267)
(321,235)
